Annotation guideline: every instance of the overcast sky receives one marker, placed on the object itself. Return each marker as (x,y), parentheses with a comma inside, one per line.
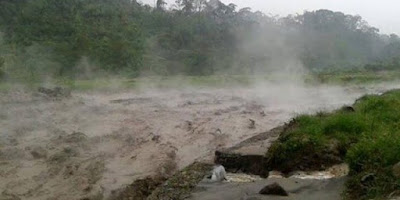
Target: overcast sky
(383,14)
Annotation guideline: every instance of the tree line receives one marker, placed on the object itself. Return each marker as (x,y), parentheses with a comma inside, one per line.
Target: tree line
(82,38)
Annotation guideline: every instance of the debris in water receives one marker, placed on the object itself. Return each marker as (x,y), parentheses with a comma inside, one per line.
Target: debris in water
(189,125)
(335,171)
(241,178)
(39,152)
(275,174)
(130,101)
(156,138)
(57,92)
(75,137)
(252,124)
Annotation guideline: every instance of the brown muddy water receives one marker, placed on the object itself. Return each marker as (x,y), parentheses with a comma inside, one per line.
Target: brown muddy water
(95,142)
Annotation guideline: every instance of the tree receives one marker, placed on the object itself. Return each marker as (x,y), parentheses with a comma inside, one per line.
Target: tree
(199,5)
(199,38)
(187,6)
(160,4)
(106,31)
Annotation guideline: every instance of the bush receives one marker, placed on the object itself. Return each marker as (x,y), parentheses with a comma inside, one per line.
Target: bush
(32,64)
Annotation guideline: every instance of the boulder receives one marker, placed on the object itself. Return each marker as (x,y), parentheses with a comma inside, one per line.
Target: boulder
(218,174)
(274,189)
(347,109)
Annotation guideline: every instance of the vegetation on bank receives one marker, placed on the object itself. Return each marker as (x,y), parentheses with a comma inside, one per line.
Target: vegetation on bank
(366,136)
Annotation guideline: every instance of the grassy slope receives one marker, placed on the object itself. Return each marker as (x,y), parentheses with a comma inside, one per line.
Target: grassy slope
(368,139)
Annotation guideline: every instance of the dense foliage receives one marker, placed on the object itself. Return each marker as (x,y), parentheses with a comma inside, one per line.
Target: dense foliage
(78,38)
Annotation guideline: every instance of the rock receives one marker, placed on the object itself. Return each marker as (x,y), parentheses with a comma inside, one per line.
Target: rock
(189,125)
(218,174)
(347,109)
(63,155)
(253,198)
(156,138)
(396,170)
(75,137)
(252,124)
(274,189)
(39,152)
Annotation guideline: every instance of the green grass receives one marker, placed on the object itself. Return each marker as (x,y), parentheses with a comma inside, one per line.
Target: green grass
(120,82)
(175,82)
(367,139)
(356,77)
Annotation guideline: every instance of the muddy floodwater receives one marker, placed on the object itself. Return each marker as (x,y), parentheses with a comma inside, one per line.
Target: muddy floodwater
(92,143)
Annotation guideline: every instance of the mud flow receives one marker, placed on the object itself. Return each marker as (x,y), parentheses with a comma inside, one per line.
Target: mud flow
(81,145)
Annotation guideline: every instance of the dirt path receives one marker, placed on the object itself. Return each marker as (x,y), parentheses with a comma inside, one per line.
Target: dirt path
(90,144)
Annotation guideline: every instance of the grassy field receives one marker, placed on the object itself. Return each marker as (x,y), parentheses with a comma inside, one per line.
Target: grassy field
(367,138)
(357,77)
(135,83)
(337,78)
